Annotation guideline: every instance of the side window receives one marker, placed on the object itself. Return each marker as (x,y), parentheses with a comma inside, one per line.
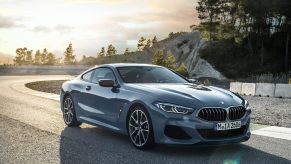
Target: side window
(87,76)
(102,73)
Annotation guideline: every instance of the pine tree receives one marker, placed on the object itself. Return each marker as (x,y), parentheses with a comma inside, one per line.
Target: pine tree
(149,43)
(20,56)
(44,56)
(155,40)
(141,43)
(170,61)
(37,58)
(69,57)
(101,53)
(28,57)
(111,50)
(171,34)
(84,58)
(126,52)
(50,59)
(183,70)
(23,56)
(158,58)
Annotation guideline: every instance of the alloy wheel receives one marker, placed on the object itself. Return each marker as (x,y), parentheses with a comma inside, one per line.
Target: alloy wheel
(138,125)
(68,111)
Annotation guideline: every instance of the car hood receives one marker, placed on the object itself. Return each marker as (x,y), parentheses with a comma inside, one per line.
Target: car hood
(186,93)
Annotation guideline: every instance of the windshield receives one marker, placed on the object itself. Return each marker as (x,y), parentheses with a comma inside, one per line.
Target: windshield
(149,74)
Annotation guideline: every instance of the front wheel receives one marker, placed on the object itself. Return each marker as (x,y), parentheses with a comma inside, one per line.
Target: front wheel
(69,113)
(140,129)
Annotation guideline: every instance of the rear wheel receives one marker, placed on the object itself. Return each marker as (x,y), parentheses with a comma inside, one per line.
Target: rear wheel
(69,113)
(140,129)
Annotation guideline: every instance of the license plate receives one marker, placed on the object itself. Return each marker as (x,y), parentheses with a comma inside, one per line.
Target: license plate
(228,125)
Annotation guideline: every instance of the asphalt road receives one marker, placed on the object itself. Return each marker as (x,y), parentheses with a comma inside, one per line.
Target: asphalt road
(32,131)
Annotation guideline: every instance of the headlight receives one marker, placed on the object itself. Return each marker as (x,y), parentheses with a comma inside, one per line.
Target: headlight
(171,108)
(247,105)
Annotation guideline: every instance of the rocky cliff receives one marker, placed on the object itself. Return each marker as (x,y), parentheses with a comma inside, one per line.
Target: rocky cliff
(185,47)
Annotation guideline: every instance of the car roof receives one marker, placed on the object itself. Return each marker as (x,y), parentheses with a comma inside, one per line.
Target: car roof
(127,65)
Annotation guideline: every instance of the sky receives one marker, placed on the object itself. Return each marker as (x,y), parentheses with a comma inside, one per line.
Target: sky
(89,24)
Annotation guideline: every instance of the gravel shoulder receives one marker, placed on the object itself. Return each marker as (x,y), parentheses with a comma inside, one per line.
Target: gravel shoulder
(265,110)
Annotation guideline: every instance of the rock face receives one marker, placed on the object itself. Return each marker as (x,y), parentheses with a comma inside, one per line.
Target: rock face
(185,47)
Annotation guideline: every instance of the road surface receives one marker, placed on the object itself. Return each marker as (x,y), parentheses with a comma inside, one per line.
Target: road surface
(33,131)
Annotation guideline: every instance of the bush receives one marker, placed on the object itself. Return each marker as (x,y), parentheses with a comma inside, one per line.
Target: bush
(183,70)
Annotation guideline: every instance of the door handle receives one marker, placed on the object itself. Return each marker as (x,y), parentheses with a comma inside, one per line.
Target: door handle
(88,88)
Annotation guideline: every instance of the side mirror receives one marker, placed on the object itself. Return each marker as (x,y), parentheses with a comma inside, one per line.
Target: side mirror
(192,80)
(106,83)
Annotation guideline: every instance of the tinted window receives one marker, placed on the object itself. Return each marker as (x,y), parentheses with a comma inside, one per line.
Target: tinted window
(148,74)
(102,73)
(87,76)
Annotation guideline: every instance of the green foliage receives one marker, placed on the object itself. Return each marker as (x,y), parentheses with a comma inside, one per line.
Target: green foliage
(69,57)
(171,34)
(111,50)
(158,58)
(170,61)
(37,58)
(50,59)
(102,52)
(155,40)
(183,70)
(259,29)
(141,43)
(23,56)
(126,52)
(43,56)
(148,44)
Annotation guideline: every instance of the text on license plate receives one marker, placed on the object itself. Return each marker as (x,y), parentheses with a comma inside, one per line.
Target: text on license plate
(228,125)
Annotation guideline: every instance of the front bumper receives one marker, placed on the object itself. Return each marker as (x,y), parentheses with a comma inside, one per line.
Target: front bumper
(170,128)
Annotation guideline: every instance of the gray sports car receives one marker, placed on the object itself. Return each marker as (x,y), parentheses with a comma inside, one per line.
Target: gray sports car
(152,104)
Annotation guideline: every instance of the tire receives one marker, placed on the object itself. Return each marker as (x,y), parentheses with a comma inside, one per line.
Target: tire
(69,114)
(140,129)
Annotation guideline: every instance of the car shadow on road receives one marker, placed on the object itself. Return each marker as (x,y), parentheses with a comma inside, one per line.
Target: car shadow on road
(96,145)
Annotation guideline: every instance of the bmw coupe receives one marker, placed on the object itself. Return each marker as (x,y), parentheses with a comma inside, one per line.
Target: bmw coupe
(154,105)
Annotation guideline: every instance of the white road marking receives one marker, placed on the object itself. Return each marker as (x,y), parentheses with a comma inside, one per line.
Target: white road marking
(274,132)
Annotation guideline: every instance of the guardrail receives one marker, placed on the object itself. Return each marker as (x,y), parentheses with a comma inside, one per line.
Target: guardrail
(42,70)
(262,89)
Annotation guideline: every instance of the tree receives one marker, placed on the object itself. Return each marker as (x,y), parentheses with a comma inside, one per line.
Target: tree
(37,58)
(23,56)
(28,59)
(69,57)
(101,53)
(141,43)
(111,50)
(20,56)
(126,52)
(171,34)
(84,58)
(155,40)
(148,44)
(44,56)
(183,70)
(209,13)
(170,61)
(158,58)
(50,59)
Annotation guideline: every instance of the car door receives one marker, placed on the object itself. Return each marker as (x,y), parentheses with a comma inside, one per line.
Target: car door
(100,102)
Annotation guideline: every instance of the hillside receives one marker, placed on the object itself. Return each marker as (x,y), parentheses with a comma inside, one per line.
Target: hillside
(184,46)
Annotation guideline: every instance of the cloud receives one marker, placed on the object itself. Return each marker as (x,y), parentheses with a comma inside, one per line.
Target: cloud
(6,22)
(58,28)
(98,1)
